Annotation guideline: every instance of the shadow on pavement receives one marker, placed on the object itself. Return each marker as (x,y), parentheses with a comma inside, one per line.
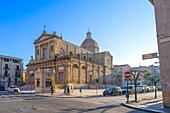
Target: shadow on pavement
(103,108)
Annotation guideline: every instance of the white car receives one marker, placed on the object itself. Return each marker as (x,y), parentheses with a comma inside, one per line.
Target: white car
(143,89)
(12,89)
(153,88)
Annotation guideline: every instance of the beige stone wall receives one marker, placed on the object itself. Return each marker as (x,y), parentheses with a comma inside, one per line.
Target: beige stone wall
(162,13)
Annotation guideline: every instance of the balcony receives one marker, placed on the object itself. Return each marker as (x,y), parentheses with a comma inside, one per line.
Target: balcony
(6,74)
(6,68)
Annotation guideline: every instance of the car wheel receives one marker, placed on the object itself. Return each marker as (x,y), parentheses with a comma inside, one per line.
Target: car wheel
(143,91)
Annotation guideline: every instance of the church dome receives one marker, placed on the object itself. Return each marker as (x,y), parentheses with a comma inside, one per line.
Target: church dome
(90,44)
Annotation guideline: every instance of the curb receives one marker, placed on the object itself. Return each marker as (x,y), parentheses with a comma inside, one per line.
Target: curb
(143,109)
(68,96)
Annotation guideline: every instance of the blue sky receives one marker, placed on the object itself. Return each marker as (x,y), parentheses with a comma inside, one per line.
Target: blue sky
(126,28)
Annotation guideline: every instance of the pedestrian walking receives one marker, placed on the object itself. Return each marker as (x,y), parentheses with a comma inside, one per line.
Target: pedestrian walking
(81,91)
(52,90)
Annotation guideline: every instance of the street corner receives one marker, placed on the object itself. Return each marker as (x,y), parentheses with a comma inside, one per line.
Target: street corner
(149,108)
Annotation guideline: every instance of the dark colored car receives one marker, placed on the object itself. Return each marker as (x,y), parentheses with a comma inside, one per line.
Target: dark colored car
(112,91)
(2,88)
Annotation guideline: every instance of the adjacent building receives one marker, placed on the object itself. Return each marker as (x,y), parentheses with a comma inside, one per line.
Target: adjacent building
(118,73)
(58,62)
(162,15)
(11,69)
(153,70)
(25,79)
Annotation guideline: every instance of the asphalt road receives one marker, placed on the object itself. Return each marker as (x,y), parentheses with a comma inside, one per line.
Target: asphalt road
(30,103)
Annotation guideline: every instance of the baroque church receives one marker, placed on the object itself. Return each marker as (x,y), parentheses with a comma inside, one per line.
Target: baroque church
(58,62)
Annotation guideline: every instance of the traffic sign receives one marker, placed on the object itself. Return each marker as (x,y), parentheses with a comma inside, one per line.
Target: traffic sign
(150,56)
(127,74)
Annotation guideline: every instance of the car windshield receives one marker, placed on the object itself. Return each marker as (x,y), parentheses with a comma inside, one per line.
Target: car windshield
(139,86)
(125,87)
(110,88)
(13,87)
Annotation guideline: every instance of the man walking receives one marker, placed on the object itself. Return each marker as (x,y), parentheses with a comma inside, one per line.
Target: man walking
(52,90)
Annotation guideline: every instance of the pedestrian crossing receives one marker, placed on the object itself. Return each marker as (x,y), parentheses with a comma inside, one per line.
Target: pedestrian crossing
(10,98)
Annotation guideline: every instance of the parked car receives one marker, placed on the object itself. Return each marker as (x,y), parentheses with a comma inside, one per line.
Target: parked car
(131,89)
(153,88)
(2,88)
(112,91)
(142,88)
(12,89)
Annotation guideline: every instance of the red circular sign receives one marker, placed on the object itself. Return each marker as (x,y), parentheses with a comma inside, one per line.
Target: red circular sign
(127,74)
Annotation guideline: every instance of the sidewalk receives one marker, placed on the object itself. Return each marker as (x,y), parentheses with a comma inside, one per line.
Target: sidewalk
(76,94)
(150,104)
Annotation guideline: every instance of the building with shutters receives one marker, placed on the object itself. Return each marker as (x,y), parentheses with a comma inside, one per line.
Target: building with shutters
(11,69)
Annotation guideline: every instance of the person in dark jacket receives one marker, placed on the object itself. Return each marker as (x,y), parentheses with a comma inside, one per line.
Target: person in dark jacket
(52,90)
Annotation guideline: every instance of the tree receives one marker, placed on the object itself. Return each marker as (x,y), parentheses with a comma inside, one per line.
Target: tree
(153,78)
(134,78)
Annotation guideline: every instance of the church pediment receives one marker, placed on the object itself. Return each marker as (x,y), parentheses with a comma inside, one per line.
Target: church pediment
(45,36)
(41,38)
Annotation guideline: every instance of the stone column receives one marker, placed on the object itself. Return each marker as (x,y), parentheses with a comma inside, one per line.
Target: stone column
(162,13)
(42,79)
(68,73)
(79,73)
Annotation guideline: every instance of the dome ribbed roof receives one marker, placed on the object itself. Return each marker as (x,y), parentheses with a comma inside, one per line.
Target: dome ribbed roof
(89,42)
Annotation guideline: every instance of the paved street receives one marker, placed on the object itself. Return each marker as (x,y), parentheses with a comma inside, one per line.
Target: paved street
(32,103)
(59,105)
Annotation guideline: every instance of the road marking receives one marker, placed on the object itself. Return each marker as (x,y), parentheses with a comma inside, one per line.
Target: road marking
(12,100)
(9,98)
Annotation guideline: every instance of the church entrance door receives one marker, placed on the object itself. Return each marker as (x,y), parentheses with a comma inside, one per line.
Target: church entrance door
(61,77)
(90,79)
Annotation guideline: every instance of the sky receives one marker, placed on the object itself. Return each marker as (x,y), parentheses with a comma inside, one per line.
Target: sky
(125,28)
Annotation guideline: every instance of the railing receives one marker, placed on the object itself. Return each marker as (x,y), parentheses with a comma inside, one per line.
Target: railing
(6,68)
(6,74)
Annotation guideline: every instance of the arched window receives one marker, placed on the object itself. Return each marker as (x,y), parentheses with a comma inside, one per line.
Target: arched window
(89,59)
(52,48)
(71,54)
(84,57)
(78,55)
(75,66)
(84,67)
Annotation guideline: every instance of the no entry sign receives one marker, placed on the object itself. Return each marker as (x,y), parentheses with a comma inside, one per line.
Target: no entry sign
(127,74)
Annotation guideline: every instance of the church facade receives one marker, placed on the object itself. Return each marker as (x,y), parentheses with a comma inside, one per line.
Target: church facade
(58,62)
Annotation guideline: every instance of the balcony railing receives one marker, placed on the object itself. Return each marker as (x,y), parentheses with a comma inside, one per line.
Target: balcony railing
(6,74)
(6,68)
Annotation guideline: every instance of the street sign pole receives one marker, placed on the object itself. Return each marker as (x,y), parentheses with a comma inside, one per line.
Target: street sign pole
(127,95)
(127,76)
